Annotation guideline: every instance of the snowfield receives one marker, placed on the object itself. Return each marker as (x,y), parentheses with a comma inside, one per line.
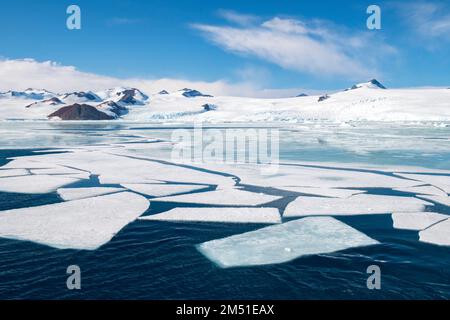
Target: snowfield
(365,101)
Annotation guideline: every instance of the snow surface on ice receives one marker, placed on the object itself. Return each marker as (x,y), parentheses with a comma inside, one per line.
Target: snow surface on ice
(355,205)
(231,197)
(162,190)
(416,220)
(284,242)
(34,184)
(226,215)
(13,172)
(80,224)
(68,194)
(437,234)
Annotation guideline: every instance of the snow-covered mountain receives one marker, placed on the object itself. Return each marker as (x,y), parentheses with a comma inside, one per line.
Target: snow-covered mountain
(365,101)
(372,84)
(30,93)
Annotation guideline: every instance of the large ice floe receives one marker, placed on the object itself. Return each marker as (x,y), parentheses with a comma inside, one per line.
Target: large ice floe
(231,197)
(161,190)
(440,181)
(79,224)
(13,172)
(438,233)
(416,220)
(68,194)
(355,205)
(284,242)
(37,184)
(226,215)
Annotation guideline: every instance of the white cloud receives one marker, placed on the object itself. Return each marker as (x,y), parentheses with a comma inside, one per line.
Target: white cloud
(428,19)
(238,18)
(315,47)
(28,73)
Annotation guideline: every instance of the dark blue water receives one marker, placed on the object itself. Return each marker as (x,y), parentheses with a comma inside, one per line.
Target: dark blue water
(158,260)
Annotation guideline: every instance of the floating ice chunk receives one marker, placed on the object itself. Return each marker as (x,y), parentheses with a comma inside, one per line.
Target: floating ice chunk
(229,215)
(428,190)
(284,242)
(13,172)
(232,197)
(79,224)
(37,184)
(161,190)
(416,220)
(440,181)
(355,205)
(326,192)
(68,194)
(442,200)
(437,234)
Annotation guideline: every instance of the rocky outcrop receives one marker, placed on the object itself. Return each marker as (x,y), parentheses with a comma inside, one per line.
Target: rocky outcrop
(80,112)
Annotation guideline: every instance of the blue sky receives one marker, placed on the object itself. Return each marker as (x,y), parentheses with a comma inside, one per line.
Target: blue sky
(271,44)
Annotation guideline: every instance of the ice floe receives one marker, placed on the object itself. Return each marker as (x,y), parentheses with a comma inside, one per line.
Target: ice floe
(440,181)
(161,190)
(355,205)
(318,176)
(13,172)
(116,168)
(427,190)
(69,194)
(35,184)
(284,242)
(228,215)
(79,224)
(231,197)
(416,220)
(437,234)
(438,199)
(325,192)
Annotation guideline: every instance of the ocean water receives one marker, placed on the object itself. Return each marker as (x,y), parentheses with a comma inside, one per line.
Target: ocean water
(158,260)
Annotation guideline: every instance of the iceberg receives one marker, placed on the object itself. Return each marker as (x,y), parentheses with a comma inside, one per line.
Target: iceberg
(230,197)
(83,224)
(162,190)
(437,234)
(416,220)
(68,194)
(35,184)
(284,242)
(355,205)
(226,215)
